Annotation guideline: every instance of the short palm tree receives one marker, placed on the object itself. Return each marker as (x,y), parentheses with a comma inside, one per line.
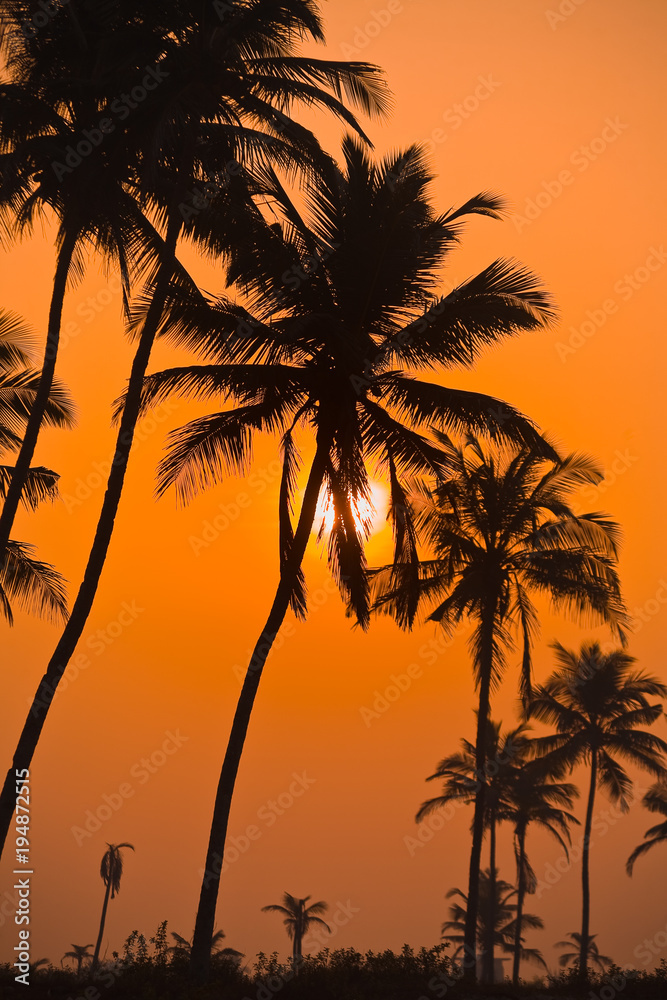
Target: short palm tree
(655,800)
(298,919)
(602,962)
(596,703)
(80,953)
(342,309)
(502,530)
(497,919)
(111,871)
(183,948)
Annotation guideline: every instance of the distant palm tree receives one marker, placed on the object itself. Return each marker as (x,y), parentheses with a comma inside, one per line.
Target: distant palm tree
(183,948)
(502,530)
(535,798)
(655,800)
(298,920)
(37,965)
(111,871)
(574,957)
(462,782)
(80,955)
(496,919)
(596,702)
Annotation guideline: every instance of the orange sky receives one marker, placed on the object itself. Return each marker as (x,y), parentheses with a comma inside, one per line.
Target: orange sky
(510,95)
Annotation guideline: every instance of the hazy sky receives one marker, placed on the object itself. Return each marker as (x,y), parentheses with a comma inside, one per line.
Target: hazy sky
(560,109)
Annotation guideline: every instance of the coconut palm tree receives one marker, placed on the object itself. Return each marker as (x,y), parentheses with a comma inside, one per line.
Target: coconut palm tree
(655,800)
(596,703)
(497,919)
(183,948)
(342,309)
(79,954)
(533,797)
(574,957)
(228,87)
(502,530)
(298,920)
(111,871)
(461,783)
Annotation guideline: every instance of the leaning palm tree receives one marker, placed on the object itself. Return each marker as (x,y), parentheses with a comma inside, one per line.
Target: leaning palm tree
(298,919)
(596,703)
(534,798)
(573,958)
(111,870)
(461,784)
(497,920)
(655,800)
(502,530)
(341,313)
(79,954)
(224,105)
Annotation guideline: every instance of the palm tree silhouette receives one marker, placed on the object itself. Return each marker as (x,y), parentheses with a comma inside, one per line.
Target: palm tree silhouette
(298,920)
(596,704)
(230,89)
(497,920)
(461,783)
(574,957)
(80,954)
(502,530)
(183,948)
(111,870)
(655,800)
(534,797)
(328,354)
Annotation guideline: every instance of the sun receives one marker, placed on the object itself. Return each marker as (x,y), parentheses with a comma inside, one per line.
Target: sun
(369,515)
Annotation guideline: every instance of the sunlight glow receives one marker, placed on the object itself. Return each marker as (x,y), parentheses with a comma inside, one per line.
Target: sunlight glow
(369,515)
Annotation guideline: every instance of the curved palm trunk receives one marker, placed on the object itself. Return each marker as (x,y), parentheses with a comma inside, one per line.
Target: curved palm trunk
(201,943)
(489,943)
(96,956)
(73,630)
(472,908)
(585,877)
(29,443)
(521,892)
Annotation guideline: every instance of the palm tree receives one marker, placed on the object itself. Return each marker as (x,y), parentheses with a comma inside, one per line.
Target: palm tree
(497,920)
(230,88)
(341,302)
(183,948)
(298,920)
(574,957)
(502,530)
(596,702)
(80,954)
(655,800)
(462,782)
(534,797)
(111,870)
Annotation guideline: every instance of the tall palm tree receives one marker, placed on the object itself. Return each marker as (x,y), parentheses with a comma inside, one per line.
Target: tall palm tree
(497,919)
(298,920)
(462,782)
(228,88)
(655,800)
(574,957)
(111,871)
(535,798)
(342,309)
(502,530)
(80,954)
(596,703)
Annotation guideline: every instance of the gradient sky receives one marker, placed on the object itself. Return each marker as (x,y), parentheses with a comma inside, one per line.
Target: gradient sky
(562,113)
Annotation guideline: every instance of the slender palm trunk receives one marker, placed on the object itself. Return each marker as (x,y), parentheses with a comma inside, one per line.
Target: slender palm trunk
(491,916)
(585,877)
(201,942)
(521,891)
(38,408)
(96,956)
(472,908)
(73,630)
